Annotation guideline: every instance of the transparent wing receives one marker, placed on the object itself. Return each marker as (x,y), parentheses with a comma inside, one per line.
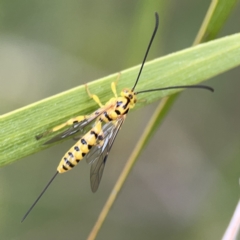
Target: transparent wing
(97,150)
(99,154)
(78,127)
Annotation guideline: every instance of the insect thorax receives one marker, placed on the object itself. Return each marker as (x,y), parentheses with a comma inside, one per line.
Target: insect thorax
(129,96)
(120,106)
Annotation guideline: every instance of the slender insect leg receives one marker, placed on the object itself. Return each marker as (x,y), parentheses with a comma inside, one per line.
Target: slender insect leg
(114,85)
(93,96)
(68,123)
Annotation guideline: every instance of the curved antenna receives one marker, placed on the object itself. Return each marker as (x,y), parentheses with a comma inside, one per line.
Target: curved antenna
(148,48)
(175,87)
(43,191)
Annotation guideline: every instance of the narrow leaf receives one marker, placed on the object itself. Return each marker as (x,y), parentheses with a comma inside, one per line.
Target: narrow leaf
(191,66)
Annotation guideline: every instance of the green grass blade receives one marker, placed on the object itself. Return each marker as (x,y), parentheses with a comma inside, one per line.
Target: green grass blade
(190,66)
(217,15)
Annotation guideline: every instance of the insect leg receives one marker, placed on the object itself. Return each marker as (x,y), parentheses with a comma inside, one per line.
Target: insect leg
(68,123)
(114,85)
(93,96)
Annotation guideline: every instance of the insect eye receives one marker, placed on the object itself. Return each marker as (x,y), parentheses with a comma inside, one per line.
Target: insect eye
(130,96)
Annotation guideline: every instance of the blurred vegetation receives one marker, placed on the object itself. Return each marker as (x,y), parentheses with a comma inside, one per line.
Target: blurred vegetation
(185,185)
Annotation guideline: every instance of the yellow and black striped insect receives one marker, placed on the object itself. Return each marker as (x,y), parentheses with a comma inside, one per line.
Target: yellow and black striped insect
(96,143)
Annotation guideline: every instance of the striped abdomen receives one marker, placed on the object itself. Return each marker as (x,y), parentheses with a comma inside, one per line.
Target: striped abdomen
(81,148)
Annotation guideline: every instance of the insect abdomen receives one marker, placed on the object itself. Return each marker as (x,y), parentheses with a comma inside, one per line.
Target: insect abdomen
(80,149)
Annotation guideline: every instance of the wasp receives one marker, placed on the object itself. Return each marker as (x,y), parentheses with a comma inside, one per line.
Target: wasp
(97,140)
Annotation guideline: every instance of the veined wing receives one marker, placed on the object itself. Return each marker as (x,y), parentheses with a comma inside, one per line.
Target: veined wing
(79,126)
(99,154)
(97,150)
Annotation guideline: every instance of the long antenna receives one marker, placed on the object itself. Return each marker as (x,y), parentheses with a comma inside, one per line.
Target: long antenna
(43,191)
(175,87)
(148,48)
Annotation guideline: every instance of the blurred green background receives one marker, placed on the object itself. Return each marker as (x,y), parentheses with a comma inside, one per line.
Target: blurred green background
(185,184)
